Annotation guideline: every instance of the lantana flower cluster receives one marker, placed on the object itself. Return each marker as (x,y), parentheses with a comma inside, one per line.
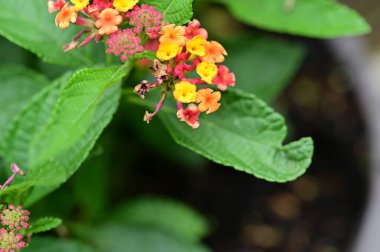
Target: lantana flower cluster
(186,64)
(183,50)
(14,221)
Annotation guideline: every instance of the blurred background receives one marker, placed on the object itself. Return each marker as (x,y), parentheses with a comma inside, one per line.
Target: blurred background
(310,84)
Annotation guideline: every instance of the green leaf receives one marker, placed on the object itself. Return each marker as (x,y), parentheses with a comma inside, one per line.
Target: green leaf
(164,214)
(37,112)
(115,238)
(263,65)
(50,244)
(44,224)
(54,134)
(313,18)
(30,25)
(245,134)
(17,86)
(174,11)
(73,112)
(12,54)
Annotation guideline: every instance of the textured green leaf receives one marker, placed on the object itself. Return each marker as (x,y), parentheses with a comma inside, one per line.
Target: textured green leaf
(115,238)
(165,214)
(50,244)
(17,86)
(30,25)
(73,112)
(314,18)
(44,224)
(263,65)
(55,132)
(175,11)
(245,134)
(37,112)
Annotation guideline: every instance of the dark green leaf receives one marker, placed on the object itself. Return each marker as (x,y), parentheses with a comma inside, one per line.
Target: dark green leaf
(264,66)
(314,18)
(50,244)
(30,25)
(17,86)
(165,214)
(91,183)
(44,224)
(116,238)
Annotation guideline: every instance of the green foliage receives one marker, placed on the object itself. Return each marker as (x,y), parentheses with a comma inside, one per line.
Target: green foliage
(29,25)
(50,244)
(174,11)
(247,135)
(53,135)
(44,224)
(164,214)
(17,85)
(263,65)
(113,237)
(312,18)
(49,128)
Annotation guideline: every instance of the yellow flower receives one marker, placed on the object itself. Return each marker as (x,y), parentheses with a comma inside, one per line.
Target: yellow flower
(207,71)
(80,4)
(124,5)
(173,33)
(167,50)
(197,45)
(185,92)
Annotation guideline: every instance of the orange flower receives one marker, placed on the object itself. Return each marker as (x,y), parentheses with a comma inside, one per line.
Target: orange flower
(208,100)
(173,33)
(108,21)
(215,52)
(65,16)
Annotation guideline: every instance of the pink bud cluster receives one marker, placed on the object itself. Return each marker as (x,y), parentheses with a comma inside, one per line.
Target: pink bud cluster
(10,242)
(124,43)
(15,218)
(146,18)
